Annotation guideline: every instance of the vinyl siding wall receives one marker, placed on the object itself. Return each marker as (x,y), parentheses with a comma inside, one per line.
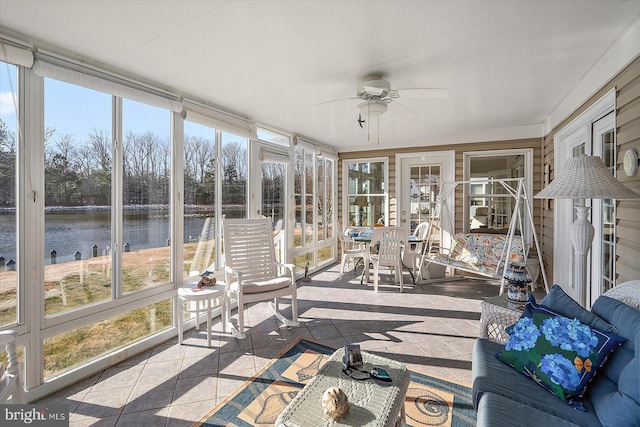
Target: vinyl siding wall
(459,149)
(627,84)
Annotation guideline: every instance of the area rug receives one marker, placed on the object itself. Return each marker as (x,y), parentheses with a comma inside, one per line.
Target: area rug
(430,401)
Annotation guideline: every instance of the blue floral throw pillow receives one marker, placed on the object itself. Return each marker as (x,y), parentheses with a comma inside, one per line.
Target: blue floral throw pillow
(560,354)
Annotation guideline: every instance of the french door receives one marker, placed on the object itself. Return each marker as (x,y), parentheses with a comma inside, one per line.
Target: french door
(419,177)
(593,133)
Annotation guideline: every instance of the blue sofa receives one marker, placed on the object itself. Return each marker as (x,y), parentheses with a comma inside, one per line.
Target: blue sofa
(504,397)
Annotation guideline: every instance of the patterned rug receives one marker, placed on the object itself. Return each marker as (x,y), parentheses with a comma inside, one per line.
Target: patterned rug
(430,401)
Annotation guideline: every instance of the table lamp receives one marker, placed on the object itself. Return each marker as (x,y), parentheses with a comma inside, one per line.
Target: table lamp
(584,177)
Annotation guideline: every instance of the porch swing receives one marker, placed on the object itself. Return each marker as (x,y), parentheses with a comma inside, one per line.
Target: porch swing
(481,253)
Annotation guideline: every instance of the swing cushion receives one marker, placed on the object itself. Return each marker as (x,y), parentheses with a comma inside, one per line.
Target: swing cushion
(481,253)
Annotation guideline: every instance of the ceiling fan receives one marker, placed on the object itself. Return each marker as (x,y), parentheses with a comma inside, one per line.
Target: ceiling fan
(376,94)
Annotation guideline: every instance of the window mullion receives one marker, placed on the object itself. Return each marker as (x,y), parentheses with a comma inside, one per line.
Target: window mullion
(116,199)
(177,199)
(31,219)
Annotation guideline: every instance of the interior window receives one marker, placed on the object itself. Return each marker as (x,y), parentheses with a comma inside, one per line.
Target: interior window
(489,203)
(366,193)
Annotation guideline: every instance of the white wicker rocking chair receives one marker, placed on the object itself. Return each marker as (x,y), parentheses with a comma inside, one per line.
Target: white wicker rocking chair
(252,273)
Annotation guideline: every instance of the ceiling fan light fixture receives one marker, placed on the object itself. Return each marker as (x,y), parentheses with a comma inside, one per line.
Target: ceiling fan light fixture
(373,108)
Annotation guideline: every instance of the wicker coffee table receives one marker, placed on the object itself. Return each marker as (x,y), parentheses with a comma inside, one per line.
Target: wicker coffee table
(372,403)
(497,314)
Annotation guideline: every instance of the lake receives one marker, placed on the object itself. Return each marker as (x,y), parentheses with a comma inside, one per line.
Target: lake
(68,231)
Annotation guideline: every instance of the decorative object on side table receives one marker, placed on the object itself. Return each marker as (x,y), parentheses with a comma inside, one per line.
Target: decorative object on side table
(518,279)
(207,281)
(335,402)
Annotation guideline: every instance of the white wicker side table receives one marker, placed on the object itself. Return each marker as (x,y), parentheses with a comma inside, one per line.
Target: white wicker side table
(497,314)
(372,404)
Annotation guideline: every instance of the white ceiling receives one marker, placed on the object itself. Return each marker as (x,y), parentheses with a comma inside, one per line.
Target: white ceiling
(512,67)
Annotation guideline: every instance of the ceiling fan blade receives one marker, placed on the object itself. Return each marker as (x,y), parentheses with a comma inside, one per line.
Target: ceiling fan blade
(336,100)
(399,110)
(425,92)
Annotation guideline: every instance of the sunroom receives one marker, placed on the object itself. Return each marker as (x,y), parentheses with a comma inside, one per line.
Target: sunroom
(130,131)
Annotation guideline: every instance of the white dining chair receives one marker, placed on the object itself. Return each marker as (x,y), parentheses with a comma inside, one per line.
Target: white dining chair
(351,250)
(412,254)
(389,242)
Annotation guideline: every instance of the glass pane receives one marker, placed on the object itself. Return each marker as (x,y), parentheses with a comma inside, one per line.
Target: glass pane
(328,203)
(79,346)
(608,228)
(273,202)
(273,197)
(320,201)
(77,227)
(8,202)
(425,181)
(491,206)
(297,232)
(199,198)
(146,222)
(298,167)
(308,221)
(303,262)
(325,254)
(234,176)
(365,180)
(273,137)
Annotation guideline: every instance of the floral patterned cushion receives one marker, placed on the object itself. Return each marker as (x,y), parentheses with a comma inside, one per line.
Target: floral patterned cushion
(560,354)
(481,252)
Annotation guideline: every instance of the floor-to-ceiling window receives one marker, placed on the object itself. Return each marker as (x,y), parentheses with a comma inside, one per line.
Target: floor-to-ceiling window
(77,178)
(145,195)
(314,191)
(199,198)
(102,162)
(106,228)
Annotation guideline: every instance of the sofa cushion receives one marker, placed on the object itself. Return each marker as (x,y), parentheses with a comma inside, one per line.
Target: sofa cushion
(497,411)
(557,300)
(616,394)
(560,354)
(492,376)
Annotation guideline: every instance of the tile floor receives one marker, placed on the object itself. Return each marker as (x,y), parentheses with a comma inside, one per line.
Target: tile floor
(431,327)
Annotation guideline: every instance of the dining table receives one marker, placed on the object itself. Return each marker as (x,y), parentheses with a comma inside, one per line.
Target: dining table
(364,238)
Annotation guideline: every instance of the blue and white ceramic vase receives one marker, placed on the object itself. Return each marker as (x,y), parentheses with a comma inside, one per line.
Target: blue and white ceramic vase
(518,282)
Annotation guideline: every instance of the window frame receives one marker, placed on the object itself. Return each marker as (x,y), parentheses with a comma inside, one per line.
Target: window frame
(345,185)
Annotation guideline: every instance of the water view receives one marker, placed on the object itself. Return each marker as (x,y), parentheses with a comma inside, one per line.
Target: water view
(68,231)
